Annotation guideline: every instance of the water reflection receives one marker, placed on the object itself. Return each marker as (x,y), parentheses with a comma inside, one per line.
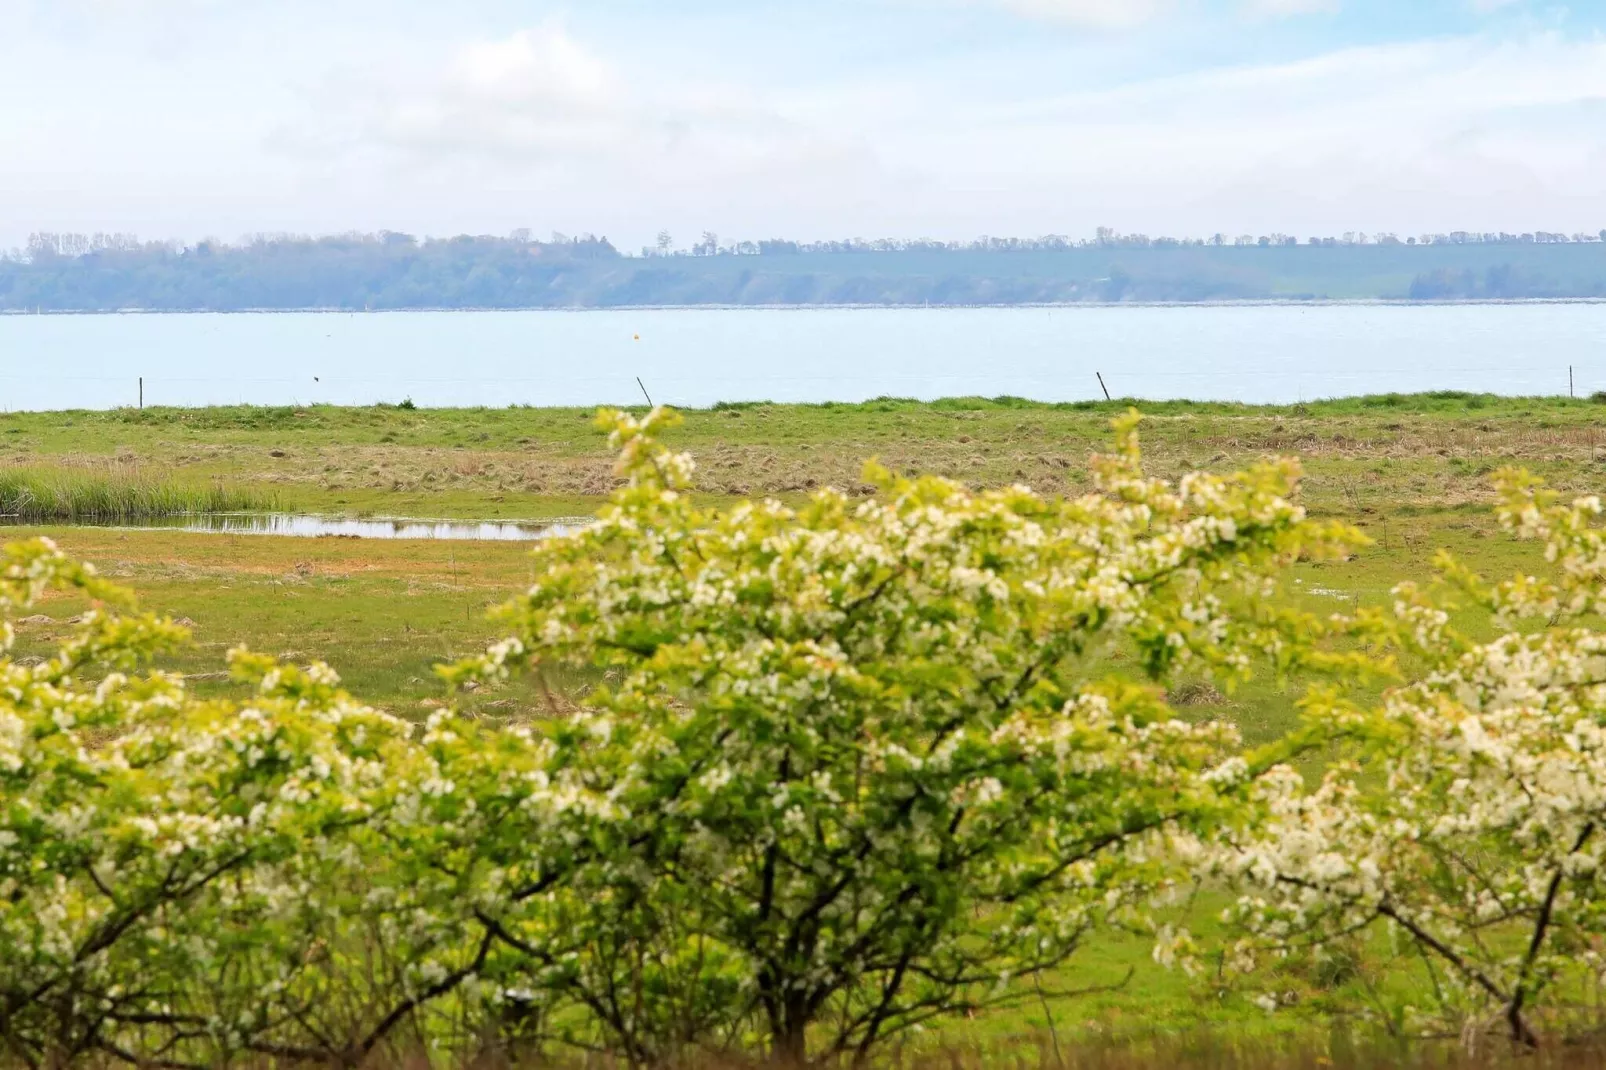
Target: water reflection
(310,527)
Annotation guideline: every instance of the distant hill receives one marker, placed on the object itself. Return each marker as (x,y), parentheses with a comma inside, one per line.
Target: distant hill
(390,271)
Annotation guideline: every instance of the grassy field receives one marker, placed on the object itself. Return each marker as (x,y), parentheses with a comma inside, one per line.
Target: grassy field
(1376,458)
(1411,471)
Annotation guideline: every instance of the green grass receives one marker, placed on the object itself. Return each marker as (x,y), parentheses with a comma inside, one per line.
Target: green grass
(382,612)
(1383,455)
(1411,471)
(39,494)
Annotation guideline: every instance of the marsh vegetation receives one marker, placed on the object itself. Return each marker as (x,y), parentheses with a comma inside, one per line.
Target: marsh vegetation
(595,667)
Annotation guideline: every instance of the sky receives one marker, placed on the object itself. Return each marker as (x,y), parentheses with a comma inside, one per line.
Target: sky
(805,119)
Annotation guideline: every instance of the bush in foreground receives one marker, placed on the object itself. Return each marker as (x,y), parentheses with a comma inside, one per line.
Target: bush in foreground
(850,768)
(860,764)
(1469,819)
(178,875)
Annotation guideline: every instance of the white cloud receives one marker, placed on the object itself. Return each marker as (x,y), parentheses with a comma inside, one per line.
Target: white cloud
(541,120)
(1104,14)
(537,92)
(1440,134)
(1280,9)
(543,65)
(541,98)
(1128,14)
(607,126)
(79,18)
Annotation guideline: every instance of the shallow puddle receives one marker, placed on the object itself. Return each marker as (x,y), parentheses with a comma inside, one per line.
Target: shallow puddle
(312,527)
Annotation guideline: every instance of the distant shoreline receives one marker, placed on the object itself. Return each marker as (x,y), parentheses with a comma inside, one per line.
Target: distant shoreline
(1279,302)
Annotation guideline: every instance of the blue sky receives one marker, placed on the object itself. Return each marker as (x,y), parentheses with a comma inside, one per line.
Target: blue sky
(758,118)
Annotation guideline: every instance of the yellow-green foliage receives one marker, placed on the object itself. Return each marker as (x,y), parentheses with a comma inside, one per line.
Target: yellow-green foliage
(852,765)
(1468,817)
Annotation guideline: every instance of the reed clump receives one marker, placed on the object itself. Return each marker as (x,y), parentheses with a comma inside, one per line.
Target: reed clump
(40,495)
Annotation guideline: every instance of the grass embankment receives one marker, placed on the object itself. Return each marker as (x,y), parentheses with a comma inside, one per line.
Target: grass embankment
(1412,472)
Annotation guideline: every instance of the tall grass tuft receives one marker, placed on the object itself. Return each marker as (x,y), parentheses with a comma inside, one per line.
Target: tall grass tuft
(37,495)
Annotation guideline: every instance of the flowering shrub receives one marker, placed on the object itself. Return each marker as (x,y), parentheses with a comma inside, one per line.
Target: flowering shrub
(848,767)
(857,764)
(1468,818)
(177,875)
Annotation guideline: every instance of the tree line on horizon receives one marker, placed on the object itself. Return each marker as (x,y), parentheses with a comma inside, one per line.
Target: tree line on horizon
(1105,237)
(391,270)
(48,246)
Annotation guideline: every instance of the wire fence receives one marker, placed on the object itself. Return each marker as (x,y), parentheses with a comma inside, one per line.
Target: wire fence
(1264,384)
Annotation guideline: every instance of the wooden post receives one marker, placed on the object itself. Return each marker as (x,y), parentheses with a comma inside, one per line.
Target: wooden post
(1570,382)
(1102,386)
(142,393)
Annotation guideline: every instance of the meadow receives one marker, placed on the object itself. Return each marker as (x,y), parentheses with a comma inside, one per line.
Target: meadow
(1411,472)
(1373,457)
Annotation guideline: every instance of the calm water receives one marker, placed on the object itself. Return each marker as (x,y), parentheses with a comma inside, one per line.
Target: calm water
(697,357)
(304,526)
